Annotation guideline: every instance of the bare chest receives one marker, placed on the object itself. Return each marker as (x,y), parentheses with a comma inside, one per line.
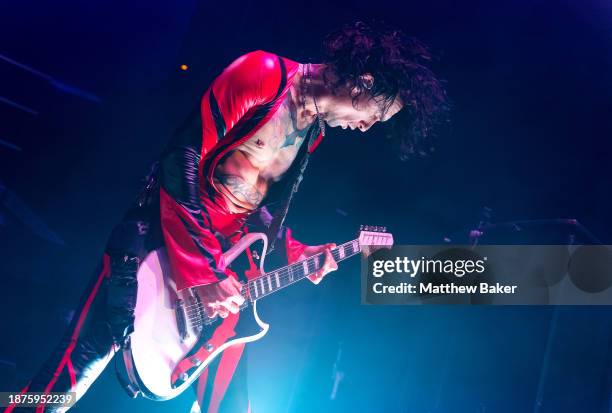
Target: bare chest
(244,176)
(274,147)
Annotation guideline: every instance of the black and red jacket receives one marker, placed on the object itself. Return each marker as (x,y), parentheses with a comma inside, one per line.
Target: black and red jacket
(237,103)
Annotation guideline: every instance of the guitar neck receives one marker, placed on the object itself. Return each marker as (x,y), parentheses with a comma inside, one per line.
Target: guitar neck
(273,281)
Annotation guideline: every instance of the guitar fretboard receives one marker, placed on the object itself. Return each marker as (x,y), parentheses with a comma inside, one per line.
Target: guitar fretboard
(275,280)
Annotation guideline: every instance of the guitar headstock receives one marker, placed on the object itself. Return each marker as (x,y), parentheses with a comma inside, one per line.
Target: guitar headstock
(372,238)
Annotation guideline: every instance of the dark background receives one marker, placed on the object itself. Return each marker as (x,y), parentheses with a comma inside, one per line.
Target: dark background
(531,90)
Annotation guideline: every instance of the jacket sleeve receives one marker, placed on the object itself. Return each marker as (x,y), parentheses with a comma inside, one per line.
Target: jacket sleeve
(193,249)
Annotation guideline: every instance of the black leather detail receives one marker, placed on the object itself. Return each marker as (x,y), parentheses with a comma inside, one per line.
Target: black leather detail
(180,177)
(217,116)
(121,299)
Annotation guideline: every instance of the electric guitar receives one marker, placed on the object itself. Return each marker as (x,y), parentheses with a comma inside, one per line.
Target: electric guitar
(174,340)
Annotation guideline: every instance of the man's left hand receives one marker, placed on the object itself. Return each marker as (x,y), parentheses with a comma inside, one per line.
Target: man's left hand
(328,266)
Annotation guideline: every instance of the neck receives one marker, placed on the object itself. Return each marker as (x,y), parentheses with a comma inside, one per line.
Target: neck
(304,96)
(275,280)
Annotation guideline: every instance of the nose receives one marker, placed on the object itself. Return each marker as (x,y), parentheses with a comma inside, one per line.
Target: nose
(364,126)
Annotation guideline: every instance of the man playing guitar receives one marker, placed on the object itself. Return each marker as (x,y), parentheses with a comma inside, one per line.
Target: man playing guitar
(241,156)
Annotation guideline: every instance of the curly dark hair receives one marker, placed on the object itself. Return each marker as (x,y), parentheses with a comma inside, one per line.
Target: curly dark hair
(399,66)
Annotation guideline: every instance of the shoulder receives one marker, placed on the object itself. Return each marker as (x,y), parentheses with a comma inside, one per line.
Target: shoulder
(263,70)
(258,60)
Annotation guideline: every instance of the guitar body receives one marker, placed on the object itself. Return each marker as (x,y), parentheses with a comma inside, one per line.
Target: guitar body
(170,347)
(174,341)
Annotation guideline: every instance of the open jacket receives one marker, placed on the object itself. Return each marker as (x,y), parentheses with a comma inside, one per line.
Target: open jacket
(237,103)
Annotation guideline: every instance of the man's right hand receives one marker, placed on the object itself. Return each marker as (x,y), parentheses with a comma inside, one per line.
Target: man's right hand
(222,297)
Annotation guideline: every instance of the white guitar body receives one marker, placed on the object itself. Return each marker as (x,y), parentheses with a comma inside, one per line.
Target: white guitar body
(157,345)
(173,340)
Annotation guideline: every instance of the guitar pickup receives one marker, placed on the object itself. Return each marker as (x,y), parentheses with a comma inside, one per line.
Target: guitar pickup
(181,323)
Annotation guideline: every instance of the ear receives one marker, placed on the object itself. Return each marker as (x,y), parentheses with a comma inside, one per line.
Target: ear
(367,81)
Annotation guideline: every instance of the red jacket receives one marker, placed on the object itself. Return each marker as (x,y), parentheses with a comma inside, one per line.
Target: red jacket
(237,103)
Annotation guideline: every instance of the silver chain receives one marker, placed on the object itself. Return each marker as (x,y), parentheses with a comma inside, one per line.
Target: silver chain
(307,79)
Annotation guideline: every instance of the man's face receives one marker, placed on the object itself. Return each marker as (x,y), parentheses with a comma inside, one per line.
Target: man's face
(360,114)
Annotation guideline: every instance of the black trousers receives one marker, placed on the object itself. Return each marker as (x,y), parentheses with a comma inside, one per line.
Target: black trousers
(104,319)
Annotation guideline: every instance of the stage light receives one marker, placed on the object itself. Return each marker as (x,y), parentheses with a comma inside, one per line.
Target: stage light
(184,67)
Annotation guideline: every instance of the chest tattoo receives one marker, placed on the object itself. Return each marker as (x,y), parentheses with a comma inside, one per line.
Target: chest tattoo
(241,189)
(290,138)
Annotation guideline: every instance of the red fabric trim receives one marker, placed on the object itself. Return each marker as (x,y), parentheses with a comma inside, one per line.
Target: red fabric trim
(77,329)
(225,372)
(315,143)
(72,373)
(252,265)
(201,387)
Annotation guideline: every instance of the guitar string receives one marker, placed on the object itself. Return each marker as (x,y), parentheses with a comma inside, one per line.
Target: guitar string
(196,314)
(284,274)
(195,310)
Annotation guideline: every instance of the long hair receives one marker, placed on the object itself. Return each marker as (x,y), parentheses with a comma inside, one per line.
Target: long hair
(399,65)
